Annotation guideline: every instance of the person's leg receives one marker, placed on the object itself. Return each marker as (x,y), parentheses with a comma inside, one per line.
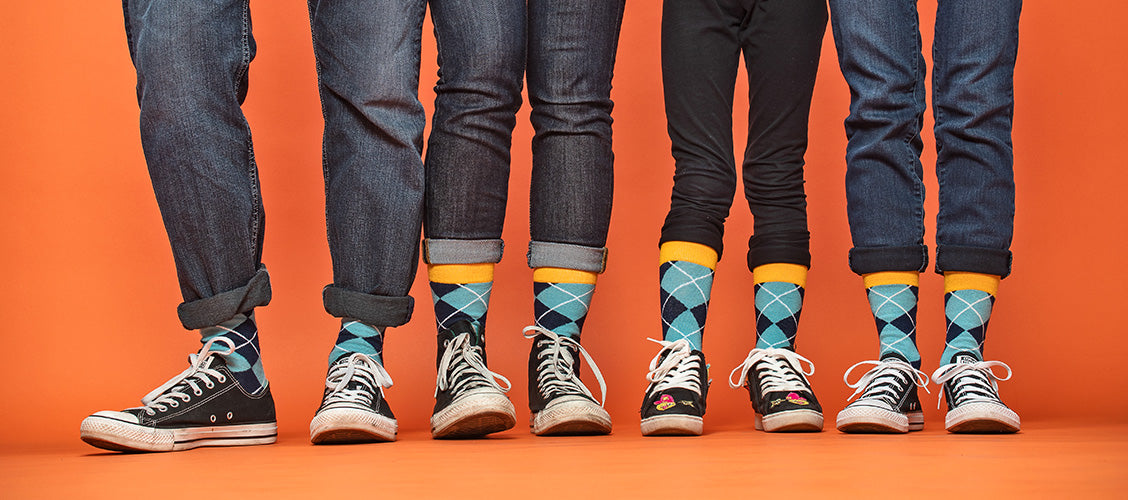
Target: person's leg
(570,62)
(879,52)
(700,57)
(191,60)
(974,54)
(700,54)
(367,54)
(781,42)
(481,68)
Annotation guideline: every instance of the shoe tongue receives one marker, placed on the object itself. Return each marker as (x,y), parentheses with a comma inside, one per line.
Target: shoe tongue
(892,355)
(464,326)
(965,357)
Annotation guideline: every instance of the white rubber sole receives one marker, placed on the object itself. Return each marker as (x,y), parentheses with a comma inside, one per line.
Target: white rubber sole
(982,418)
(790,421)
(571,415)
(871,420)
(115,435)
(672,425)
(474,415)
(349,425)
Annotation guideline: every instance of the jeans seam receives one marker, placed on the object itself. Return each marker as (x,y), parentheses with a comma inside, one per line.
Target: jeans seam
(252,170)
(917,121)
(324,113)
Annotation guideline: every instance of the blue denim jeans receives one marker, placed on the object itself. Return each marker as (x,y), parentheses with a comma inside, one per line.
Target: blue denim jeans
(192,59)
(485,48)
(974,50)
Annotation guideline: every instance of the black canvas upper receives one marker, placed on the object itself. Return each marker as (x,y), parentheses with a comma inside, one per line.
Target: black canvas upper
(224,403)
(678,400)
(538,400)
(361,382)
(774,402)
(469,379)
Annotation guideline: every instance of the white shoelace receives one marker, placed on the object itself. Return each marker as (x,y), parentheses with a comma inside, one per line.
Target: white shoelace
(554,372)
(677,369)
(972,382)
(777,370)
(467,369)
(199,372)
(361,368)
(885,381)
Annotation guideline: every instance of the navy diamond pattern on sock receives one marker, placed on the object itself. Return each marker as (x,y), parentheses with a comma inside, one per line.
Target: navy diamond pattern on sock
(562,307)
(894,310)
(778,306)
(966,314)
(684,289)
(460,301)
(245,362)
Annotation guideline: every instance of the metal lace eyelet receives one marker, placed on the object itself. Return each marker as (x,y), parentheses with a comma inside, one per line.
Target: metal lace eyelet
(198,392)
(213,419)
(174,404)
(209,385)
(230,415)
(221,379)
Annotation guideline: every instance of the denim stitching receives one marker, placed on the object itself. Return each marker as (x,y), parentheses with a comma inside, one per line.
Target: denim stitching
(256,202)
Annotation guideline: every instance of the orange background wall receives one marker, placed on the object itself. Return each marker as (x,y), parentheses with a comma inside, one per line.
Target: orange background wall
(88,287)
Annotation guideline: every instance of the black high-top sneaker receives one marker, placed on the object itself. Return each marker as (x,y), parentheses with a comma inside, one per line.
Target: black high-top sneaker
(559,401)
(973,396)
(780,393)
(674,404)
(203,406)
(888,401)
(353,408)
(469,402)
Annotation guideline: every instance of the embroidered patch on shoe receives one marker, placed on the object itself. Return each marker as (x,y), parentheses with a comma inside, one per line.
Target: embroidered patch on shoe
(792,398)
(797,399)
(665,402)
(687,403)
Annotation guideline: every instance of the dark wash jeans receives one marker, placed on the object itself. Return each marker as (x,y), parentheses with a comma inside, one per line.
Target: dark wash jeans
(702,41)
(485,48)
(974,50)
(192,59)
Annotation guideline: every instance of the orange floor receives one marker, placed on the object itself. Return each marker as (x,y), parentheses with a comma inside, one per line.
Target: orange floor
(1047,460)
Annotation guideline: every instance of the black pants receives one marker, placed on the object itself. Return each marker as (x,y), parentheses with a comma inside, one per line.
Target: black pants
(701,45)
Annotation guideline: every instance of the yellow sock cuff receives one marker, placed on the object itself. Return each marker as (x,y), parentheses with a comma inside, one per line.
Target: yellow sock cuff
(971,281)
(788,273)
(562,275)
(460,273)
(911,278)
(689,252)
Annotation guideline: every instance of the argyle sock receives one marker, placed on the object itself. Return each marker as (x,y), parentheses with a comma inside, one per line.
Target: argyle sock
(685,281)
(778,290)
(968,300)
(561,298)
(245,362)
(893,301)
(356,336)
(461,292)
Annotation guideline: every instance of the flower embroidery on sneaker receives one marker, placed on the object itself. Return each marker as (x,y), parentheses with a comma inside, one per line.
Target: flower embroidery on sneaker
(665,402)
(797,399)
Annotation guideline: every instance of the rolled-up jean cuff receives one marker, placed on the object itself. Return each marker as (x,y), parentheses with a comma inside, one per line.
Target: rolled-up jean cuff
(878,259)
(376,310)
(973,260)
(211,311)
(780,248)
(567,256)
(694,227)
(778,255)
(445,251)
